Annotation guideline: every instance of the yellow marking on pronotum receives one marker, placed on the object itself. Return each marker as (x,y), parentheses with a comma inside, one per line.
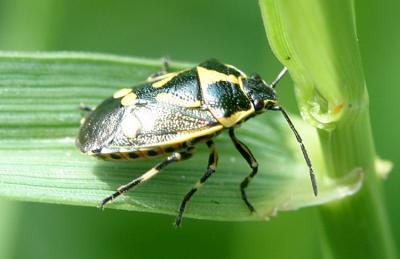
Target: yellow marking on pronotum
(172,99)
(164,79)
(122,92)
(235,118)
(237,69)
(208,77)
(129,99)
(241,83)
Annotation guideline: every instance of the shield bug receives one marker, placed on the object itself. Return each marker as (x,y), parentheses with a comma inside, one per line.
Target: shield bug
(172,112)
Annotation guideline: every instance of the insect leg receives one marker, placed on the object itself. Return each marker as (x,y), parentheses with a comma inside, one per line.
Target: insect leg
(175,157)
(165,69)
(84,111)
(248,156)
(85,108)
(165,65)
(212,164)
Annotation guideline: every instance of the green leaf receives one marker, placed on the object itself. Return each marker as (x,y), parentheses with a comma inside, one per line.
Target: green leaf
(39,119)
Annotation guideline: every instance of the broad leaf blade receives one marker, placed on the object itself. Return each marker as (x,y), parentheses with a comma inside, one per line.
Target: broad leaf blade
(39,120)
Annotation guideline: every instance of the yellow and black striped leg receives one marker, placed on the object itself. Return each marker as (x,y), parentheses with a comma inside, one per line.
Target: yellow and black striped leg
(175,157)
(246,153)
(212,164)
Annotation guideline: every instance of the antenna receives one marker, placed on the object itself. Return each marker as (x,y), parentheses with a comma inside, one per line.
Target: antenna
(279,77)
(303,148)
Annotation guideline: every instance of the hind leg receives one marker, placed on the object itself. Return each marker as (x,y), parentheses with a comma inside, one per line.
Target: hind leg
(175,157)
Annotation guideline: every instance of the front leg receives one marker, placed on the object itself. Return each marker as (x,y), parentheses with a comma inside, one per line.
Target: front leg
(248,156)
(85,110)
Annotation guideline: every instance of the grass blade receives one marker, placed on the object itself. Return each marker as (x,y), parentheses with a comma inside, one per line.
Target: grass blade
(39,120)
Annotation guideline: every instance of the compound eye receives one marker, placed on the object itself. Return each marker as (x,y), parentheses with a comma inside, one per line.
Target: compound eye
(258,105)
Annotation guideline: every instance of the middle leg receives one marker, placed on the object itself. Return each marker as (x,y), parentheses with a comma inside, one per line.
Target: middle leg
(212,164)
(246,153)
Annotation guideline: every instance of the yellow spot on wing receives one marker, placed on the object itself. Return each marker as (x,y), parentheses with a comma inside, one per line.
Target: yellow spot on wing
(130,126)
(172,99)
(163,80)
(129,99)
(122,92)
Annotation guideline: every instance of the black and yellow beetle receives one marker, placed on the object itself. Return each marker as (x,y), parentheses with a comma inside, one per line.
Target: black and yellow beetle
(172,112)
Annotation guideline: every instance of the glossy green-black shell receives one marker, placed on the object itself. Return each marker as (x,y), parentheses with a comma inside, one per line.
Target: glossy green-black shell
(168,110)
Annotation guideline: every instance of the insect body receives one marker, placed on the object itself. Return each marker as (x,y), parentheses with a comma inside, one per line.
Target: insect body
(172,112)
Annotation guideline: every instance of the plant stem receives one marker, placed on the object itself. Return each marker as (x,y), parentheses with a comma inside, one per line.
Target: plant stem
(356,227)
(317,41)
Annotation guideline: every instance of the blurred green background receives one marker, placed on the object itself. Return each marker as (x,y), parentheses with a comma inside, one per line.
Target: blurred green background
(189,31)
